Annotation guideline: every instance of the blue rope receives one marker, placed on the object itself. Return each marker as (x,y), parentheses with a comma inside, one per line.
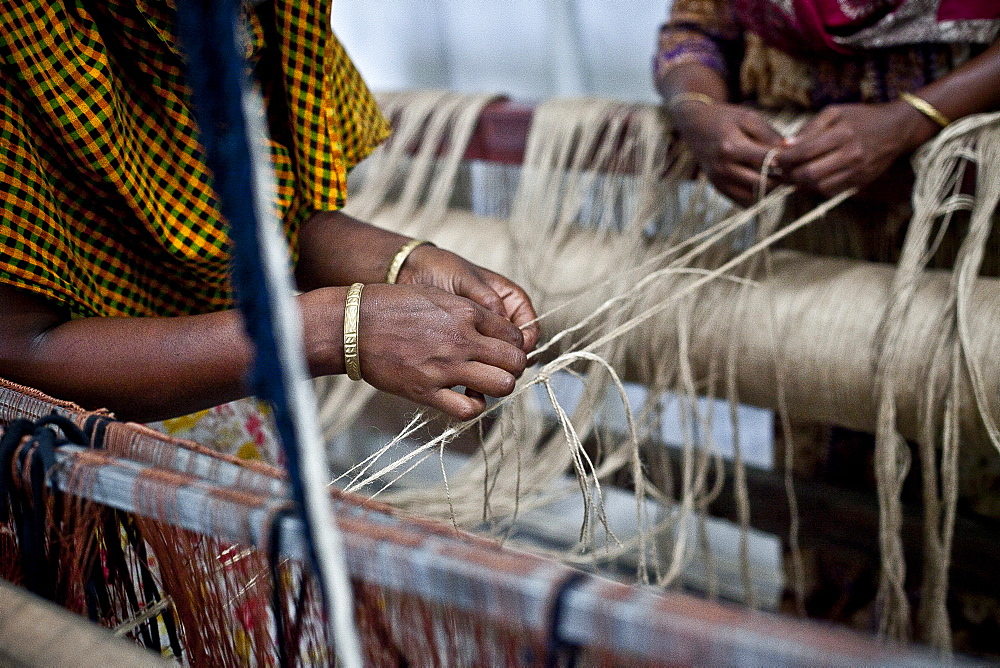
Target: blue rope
(217,75)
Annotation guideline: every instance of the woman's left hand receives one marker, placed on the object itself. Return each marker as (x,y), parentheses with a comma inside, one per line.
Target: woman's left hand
(336,249)
(429,265)
(851,145)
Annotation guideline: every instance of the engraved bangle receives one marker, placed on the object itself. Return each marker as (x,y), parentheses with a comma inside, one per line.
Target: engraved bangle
(352,313)
(925,108)
(689,96)
(401,255)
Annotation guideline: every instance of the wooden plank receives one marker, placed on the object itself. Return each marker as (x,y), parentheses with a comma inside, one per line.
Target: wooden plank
(35,632)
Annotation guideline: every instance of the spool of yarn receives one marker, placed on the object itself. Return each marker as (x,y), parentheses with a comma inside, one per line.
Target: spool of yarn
(817,317)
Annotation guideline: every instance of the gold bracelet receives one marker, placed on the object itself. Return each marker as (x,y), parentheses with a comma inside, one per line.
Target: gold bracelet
(352,315)
(689,96)
(925,108)
(401,255)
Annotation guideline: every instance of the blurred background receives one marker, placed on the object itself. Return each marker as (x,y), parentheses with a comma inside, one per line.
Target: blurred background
(527,49)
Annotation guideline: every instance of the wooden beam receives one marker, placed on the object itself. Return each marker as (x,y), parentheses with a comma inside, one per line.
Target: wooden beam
(35,632)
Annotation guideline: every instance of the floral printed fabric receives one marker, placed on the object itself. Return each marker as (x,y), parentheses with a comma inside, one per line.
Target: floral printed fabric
(242,428)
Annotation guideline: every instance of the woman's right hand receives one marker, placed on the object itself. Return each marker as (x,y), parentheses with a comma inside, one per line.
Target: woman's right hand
(730,143)
(419,342)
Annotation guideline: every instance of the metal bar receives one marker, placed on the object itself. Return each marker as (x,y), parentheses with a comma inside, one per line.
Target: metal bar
(504,587)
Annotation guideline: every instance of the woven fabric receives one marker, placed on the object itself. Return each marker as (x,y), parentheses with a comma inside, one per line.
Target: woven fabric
(106,201)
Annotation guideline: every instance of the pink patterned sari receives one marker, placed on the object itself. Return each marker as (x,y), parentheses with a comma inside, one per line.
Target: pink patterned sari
(852,26)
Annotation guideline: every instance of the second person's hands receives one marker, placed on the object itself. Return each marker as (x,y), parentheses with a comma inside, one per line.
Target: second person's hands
(730,143)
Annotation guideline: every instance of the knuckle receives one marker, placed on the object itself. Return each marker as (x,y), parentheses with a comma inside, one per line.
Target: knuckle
(418,394)
(520,360)
(423,390)
(435,373)
(727,147)
(490,296)
(465,311)
(465,411)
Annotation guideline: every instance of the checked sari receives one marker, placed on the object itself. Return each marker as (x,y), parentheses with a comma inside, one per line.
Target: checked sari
(105,199)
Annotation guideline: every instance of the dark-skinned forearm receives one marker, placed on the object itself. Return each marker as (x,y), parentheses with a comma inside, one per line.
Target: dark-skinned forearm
(692,78)
(151,368)
(336,249)
(972,88)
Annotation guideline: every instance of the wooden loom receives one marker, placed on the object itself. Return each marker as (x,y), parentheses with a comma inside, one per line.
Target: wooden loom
(617,623)
(830,515)
(813,393)
(495,588)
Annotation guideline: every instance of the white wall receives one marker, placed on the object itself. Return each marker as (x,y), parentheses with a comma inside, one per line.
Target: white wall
(528,49)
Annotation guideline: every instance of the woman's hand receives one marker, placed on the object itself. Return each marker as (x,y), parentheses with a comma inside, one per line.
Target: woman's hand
(730,143)
(418,342)
(851,145)
(336,249)
(429,265)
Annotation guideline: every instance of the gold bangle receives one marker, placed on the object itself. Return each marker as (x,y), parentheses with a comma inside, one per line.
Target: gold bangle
(401,255)
(689,96)
(352,315)
(925,108)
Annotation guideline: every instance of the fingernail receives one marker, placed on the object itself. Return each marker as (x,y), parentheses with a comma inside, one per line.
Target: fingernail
(788,141)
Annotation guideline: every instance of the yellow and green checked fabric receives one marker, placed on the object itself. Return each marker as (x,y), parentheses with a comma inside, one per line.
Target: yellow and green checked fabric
(105,205)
